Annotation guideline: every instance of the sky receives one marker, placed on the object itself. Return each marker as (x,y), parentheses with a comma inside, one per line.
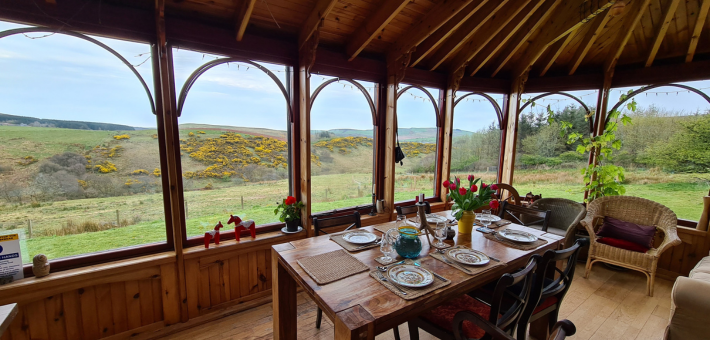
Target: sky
(62,77)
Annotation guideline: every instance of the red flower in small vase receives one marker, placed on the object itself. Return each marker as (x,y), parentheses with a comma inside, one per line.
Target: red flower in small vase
(493,204)
(462,191)
(458,181)
(446,184)
(484,185)
(290,200)
(474,188)
(471,178)
(452,186)
(494,187)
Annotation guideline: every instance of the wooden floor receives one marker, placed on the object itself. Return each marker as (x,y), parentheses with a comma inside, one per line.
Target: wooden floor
(608,305)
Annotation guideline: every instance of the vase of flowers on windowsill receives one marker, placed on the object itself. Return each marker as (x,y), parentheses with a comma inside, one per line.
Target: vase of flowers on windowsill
(469,198)
(290,210)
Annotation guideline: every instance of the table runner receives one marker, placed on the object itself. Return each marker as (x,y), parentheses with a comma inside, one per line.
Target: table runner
(332,266)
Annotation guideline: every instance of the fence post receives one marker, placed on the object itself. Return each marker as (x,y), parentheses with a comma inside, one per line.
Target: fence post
(29,228)
(118,218)
(187,215)
(242,202)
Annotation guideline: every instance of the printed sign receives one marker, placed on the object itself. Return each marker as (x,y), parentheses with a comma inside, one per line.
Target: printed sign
(10,257)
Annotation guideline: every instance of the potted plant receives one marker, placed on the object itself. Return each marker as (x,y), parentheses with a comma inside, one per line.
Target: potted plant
(469,198)
(290,212)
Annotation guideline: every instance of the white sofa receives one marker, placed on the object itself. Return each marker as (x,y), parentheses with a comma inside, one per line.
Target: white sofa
(690,305)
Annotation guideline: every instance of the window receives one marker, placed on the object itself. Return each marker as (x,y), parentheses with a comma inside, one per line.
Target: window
(417,113)
(545,164)
(342,143)
(233,140)
(79,163)
(665,149)
(476,136)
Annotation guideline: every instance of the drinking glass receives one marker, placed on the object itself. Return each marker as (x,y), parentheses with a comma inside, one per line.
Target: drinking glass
(387,249)
(440,234)
(486,219)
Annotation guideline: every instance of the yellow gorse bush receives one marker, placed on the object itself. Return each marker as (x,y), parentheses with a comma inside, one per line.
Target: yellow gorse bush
(414,149)
(106,167)
(27,160)
(344,143)
(156,172)
(119,137)
(140,172)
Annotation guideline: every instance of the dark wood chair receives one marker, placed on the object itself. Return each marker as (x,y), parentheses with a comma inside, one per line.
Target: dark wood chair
(440,320)
(512,197)
(561,331)
(320,223)
(412,209)
(525,216)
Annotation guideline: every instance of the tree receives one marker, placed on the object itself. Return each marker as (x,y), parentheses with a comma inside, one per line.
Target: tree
(688,150)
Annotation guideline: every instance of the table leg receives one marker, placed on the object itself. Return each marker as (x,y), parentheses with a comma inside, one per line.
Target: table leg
(284,300)
(354,323)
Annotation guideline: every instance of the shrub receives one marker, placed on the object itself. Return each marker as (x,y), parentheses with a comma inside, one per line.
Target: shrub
(120,137)
(191,134)
(209,186)
(28,160)
(154,136)
(140,172)
(571,156)
(156,172)
(106,167)
(533,160)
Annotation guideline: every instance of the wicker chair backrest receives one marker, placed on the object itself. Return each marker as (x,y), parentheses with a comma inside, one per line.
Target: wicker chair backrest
(635,210)
(565,213)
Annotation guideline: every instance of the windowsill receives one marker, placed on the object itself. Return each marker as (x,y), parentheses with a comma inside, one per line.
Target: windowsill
(245,242)
(228,234)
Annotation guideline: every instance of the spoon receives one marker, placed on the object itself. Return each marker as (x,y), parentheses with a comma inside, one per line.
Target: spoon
(384,269)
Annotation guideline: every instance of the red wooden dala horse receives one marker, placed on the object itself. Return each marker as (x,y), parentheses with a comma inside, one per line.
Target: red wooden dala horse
(240,226)
(213,234)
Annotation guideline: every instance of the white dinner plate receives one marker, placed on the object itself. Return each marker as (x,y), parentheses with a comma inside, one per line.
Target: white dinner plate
(493,218)
(410,276)
(360,237)
(517,236)
(468,256)
(432,219)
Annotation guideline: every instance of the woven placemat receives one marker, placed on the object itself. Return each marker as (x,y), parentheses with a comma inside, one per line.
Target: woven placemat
(470,270)
(332,266)
(384,227)
(412,293)
(498,224)
(521,246)
(351,246)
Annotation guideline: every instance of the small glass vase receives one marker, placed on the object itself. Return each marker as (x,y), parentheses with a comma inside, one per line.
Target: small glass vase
(466,222)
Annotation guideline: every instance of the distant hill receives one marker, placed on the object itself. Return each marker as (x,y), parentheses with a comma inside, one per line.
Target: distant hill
(424,135)
(276,134)
(6,119)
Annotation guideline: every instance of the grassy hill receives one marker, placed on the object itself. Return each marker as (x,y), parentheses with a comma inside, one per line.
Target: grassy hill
(65,124)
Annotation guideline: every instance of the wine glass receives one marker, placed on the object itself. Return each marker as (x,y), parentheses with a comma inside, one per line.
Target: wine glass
(486,219)
(387,249)
(440,234)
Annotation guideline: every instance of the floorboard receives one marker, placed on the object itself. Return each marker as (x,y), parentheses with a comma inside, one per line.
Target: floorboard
(609,305)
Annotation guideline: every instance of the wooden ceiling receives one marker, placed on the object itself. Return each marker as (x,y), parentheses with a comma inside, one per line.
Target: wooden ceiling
(490,38)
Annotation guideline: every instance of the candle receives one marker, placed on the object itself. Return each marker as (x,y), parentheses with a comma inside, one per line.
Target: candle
(421,198)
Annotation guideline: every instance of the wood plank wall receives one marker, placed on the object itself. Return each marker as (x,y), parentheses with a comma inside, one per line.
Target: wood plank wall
(680,260)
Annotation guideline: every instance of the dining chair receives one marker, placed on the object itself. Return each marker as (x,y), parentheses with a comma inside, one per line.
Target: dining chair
(412,209)
(561,331)
(529,217)
(319,223)
(513,196)
(565,217)
(440,320)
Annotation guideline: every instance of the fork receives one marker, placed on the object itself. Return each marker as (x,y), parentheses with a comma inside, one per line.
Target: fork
(454,264)
(384,279)
(373,243)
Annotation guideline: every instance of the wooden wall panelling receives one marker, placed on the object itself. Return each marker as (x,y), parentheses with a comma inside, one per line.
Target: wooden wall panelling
(192,280)
(72,314)
(145,287)
(119,307)
(37,319)
(56,324)
(105,310)
(89,318)
(204,289)
(133,304)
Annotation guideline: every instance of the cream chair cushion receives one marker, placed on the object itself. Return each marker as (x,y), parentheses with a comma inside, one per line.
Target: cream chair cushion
(689,310)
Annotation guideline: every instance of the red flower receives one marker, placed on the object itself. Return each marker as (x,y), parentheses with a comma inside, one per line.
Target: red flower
(484,185)
(452,186)
(471,178)
(494,204)
(446,184)
(462,191)
(290,200)
(474,188)
(494,187)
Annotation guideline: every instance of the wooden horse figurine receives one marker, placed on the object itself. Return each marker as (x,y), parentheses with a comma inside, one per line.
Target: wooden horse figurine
(213,234)
(240,226)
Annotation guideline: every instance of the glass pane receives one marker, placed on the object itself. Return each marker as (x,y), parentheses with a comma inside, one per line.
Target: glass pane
(233,141)
(416,119)
(665,150)
(476,137)
(79,159)
(342,146)
(545,164)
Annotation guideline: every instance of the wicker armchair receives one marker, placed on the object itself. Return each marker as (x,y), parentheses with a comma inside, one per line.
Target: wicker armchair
(565,216)
(635,210)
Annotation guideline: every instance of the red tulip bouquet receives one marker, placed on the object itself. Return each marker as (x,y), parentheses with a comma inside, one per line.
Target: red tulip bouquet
(470,197)
(290,209)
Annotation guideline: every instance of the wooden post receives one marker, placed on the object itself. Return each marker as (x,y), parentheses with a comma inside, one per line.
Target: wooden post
(511,133)
(307,56)
(187,215)
(448,124)
(242,202)
(29,228)
(600,117)
(118,218)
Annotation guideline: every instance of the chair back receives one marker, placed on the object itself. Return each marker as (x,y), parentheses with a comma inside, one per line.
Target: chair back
(320,223)
(546,269)
(560,331)
(565,213)
(519,299)
(635,210)
(511,191)
(525,216)
(412,209)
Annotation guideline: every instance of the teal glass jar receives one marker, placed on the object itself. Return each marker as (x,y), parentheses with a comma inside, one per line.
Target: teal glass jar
(408,245)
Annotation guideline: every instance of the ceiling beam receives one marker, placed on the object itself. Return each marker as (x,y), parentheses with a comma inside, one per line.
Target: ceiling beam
(374,26)
(425,27)
(510,20)
(565,19)
(697,30)
(632,16)
(243,18)
(434,40)
(466,31)
(668,16)
(314,20)
(593,30)
(554,52)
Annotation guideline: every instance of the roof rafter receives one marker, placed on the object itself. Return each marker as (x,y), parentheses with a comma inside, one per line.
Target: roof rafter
(243,18)
(555,51)
(322,9)
(513,17)
(697,30)
(466,31)
(661,33)
(434,40)
(631,19)
(425,27)
(374,26)
(566,18)
(593,30)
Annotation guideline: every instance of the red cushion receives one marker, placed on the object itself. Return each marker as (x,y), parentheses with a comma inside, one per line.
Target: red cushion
(443,316)
(544,304)
(623,244)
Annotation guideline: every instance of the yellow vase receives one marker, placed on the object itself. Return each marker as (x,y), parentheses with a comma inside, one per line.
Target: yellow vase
(466,222)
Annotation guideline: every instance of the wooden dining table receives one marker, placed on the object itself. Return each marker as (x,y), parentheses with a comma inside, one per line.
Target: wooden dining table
(361,307)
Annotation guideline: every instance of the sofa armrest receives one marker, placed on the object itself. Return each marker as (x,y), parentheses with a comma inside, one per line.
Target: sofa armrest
(689,310)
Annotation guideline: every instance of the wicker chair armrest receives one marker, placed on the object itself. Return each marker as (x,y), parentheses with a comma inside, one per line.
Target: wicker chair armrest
(670,239)
(588,224)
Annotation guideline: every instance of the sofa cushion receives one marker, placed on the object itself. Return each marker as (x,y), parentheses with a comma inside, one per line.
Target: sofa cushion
(623,244)
(618,229)
(702,267)
(700,276)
